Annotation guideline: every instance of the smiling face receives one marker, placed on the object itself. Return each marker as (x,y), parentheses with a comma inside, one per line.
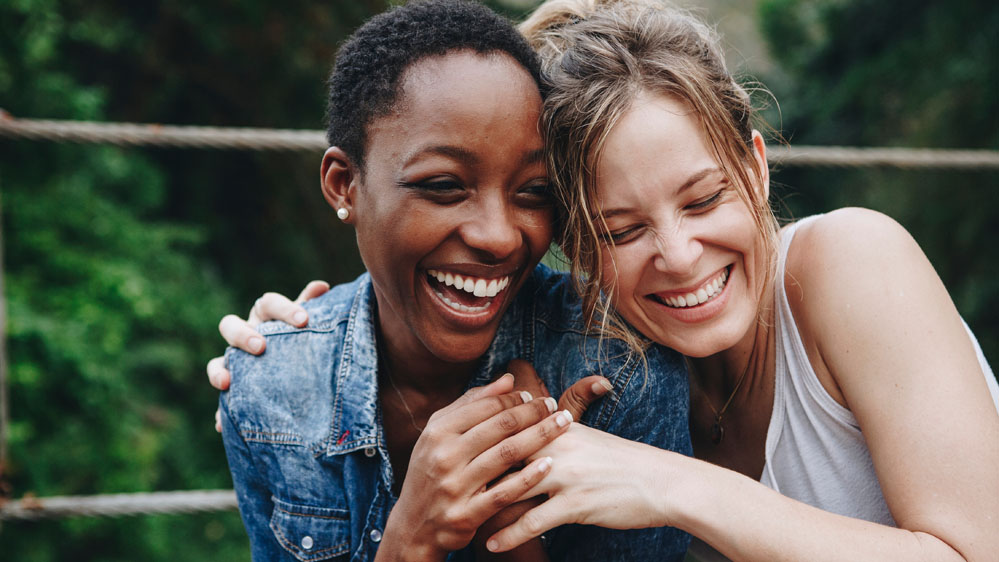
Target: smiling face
(687,258)
(452,210)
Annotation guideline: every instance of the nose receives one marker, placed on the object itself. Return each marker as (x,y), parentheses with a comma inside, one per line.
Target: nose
(678,250)
(491,228)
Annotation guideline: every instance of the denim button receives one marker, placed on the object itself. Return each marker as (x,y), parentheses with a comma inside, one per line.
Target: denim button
(370,451)
(307,542)
(376,535)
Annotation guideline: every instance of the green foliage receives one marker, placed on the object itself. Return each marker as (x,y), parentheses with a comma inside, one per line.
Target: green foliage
(119,262)
(913,73)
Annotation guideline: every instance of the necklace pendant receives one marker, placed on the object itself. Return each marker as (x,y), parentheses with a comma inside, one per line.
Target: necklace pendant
(717,433)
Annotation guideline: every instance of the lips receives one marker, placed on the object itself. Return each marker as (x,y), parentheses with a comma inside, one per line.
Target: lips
(705,293)
(465,293)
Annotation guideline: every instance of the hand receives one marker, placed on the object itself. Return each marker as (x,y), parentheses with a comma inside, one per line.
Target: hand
(576,399)
(465,446)
(242,334)
(596,479)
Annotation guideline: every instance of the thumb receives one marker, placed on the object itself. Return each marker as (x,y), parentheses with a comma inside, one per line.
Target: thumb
(578,397)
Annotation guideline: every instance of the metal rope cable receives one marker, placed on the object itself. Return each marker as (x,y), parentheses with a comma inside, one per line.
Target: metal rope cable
(112,505)
(134,134)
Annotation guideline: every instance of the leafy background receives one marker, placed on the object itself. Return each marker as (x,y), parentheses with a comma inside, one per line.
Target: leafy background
(118,262)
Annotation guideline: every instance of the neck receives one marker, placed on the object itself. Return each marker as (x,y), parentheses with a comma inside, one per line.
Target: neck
(750,359)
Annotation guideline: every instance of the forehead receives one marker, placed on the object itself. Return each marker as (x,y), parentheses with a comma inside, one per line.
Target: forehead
(462,98)
(657,139)
(487,79)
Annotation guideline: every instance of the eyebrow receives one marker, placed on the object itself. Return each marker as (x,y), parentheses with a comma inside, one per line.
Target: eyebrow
(458,153)
(468,157)
(691,181)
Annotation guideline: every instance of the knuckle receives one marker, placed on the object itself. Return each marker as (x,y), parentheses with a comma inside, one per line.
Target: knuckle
(501,498)
(507,421)
(532,523)
(508,453)
(546,431)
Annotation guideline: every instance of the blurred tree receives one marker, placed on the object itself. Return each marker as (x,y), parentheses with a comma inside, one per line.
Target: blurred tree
(915,73)
(119,262)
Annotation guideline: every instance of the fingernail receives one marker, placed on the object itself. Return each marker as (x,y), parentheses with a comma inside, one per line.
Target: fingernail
(551,404)
(255,344)
(545,464)
(563,418)
(300,318)
(505,376)
(526,396)
(492,545)
(602,387)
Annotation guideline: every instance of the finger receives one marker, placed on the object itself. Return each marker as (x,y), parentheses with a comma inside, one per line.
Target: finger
(494,499)
(467,416)
(545,517)
(527,378)
(218,375)
(499,386)
(496,460)
(275,306)
(578,397)
(312,290)
(238,333)
(218,421)
(505,423)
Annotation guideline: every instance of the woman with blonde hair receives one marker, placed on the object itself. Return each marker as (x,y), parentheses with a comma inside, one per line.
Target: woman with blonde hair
(842,405)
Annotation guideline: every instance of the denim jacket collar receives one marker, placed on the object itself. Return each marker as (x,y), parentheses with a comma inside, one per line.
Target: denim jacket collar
(355,408)
(356,414)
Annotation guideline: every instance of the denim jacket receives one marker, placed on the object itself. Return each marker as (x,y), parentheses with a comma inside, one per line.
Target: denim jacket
(303,433)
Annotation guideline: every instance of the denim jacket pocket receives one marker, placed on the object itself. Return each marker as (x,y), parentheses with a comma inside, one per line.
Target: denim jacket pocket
(311,533)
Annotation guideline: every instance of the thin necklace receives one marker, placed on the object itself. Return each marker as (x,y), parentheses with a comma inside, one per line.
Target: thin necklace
(409,410)
(717,430)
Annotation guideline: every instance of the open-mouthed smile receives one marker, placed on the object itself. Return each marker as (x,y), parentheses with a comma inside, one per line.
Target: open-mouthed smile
(705,293)
(465,293)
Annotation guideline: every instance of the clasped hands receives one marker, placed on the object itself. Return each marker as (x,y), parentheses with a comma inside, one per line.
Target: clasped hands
(477,468)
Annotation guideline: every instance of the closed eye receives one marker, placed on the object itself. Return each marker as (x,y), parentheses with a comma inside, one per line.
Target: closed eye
(441,184)
(706,203)
(622,236)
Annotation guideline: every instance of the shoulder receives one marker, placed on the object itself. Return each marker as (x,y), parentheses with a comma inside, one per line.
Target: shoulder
(289,387)
(855,277)
(852,254)
(847,237)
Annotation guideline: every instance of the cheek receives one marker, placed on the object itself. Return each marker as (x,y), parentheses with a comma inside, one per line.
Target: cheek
(538,229)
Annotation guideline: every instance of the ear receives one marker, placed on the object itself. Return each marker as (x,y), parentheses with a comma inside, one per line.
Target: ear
(760,153)
(339,179)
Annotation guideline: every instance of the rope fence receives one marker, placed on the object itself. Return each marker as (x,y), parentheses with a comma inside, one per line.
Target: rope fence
(114,505)
(241,138)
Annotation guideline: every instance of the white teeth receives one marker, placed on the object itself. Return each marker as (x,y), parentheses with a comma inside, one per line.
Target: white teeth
(702,295)
(480,288)
(463,308)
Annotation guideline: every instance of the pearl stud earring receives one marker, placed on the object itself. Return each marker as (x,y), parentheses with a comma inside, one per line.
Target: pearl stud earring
(342,213)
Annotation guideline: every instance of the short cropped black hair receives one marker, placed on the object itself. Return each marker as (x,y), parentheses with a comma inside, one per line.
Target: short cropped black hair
(364,83)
